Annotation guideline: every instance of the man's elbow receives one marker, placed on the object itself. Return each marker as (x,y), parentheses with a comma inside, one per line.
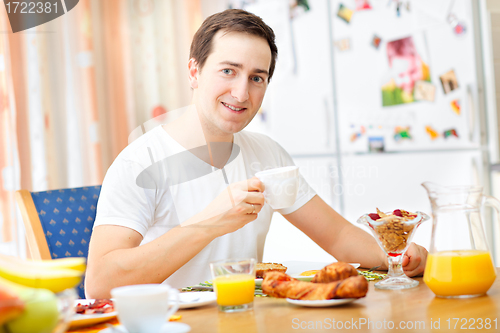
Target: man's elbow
(95,289)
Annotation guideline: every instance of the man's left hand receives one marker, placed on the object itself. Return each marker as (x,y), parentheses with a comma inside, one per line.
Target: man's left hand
(414,260)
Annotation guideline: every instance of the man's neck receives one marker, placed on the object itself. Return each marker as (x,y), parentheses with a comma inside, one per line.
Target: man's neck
(190,131)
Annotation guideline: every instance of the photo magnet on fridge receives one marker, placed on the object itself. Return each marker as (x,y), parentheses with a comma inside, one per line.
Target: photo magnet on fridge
(376,40)
(455,106)
(343,44)
(424,91)
(376,144)
(356,135)
(407,64)
(450,132)
(432,132)
(402,133)
(345,13)
(363,4)
(449,81)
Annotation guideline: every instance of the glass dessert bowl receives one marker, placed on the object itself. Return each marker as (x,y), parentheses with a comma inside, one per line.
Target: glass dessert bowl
(394,232)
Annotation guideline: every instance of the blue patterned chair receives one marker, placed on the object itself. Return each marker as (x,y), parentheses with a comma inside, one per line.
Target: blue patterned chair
(58,223)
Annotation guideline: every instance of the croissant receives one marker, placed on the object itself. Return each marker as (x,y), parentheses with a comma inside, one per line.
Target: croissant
(281,285)
(335,272)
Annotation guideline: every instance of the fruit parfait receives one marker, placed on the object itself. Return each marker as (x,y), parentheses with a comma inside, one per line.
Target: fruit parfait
(394,232)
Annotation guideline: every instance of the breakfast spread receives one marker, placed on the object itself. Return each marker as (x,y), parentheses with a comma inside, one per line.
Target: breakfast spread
(393,229)
(262,268)
(343,283)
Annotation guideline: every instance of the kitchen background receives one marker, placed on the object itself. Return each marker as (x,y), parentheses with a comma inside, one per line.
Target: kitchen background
(371,98)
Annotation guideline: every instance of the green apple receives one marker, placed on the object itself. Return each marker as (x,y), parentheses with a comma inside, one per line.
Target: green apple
(40,314)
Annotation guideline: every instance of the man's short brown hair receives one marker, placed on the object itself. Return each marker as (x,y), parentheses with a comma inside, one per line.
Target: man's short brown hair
(231,20)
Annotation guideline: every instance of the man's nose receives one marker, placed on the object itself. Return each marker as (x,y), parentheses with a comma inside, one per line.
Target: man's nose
(239,90)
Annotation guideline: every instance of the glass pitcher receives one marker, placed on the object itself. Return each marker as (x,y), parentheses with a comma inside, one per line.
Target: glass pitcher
(459,263)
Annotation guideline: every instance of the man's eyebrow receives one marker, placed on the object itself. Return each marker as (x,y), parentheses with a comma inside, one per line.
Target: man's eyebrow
(234,64)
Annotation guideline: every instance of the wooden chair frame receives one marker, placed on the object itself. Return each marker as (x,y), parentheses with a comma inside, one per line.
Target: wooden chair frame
(37,243)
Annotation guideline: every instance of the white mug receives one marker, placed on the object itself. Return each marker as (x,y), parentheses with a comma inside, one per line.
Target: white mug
(282,185)
(145,308)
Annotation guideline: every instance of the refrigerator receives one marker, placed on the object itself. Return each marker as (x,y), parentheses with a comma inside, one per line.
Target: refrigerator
(372,98)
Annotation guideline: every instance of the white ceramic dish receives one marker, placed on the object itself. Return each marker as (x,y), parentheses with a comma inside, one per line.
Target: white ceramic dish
(83,320)
(321,304)
(167,328)
(195,299)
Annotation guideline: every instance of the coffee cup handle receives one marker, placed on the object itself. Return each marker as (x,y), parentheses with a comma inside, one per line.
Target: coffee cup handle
(173,306)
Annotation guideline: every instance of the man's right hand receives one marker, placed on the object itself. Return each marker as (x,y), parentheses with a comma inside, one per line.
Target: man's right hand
(236,206)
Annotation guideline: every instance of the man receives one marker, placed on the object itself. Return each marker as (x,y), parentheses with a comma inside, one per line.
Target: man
(166,209)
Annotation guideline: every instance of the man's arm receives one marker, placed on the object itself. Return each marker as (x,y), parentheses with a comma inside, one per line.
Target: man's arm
(116,259)
(347,242)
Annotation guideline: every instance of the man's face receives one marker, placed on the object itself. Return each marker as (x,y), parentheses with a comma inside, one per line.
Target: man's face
(229,89)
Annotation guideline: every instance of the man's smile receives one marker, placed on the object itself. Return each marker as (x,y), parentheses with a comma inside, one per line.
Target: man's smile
(234,108)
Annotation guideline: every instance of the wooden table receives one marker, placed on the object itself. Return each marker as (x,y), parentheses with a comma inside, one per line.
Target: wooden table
(414,309)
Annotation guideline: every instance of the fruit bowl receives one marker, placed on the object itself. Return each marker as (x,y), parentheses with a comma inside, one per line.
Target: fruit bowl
(38,310)
(66,307)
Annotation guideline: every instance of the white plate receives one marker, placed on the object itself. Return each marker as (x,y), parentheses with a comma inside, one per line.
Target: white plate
(194,299)
(167,328)
(322,303)
(82,320)
(306,266)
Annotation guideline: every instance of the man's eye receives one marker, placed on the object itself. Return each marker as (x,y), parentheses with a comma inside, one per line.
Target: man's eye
(227,71)
(257,79)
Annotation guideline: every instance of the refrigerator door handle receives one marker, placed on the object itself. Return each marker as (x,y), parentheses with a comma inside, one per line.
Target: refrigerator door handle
(472,114)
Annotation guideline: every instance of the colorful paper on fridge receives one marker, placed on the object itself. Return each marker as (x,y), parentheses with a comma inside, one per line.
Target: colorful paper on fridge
(424,91)
(455,106)
(432,132)
(406,67)
(449,81)
(402,133)
(363,4)
(376,144)
(345,13)
(343,44)
(356,135)
(376,40)
(450,132)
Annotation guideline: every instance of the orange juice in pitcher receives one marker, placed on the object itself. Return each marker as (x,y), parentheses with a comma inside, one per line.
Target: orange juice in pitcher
(459,263)
(460,272)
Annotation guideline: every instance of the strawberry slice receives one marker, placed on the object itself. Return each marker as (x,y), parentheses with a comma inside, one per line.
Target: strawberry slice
(374,217)
(397,212)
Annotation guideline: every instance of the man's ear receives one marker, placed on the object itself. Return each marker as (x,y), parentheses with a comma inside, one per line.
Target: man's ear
(193,73)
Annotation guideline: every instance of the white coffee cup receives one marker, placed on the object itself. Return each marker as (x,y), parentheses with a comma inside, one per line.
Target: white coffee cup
(145,308)
(282,185)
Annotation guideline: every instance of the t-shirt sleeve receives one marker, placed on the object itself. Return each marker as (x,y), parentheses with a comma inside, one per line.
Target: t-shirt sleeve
(122,202)
(305,193)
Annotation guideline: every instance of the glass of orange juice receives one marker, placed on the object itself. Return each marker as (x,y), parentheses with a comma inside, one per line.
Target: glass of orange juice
(234,284)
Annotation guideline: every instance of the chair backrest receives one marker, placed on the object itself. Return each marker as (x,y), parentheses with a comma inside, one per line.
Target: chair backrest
(59,223)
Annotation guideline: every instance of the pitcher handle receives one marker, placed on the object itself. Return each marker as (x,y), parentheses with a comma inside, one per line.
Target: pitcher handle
(492,202)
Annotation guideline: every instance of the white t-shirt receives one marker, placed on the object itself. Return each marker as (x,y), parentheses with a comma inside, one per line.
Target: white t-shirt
(129,198)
